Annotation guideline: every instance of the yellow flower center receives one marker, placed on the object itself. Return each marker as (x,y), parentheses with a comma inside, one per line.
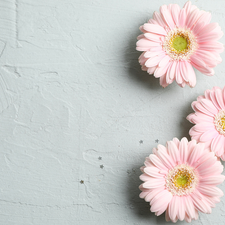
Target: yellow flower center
(179,43)
(222,122)
(219,122)
(181,180)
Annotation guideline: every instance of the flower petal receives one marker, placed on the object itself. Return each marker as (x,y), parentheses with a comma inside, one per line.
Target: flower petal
(196,154)
(208,135)
(161,201)
(173,151)
(160,71)
(210,190)
(156,29)
(173,207)
(218,145)
(157,162)
(175,11)
(167,16)
(154,183)
(189,206)
(213,180)
(183,150)
(153,172)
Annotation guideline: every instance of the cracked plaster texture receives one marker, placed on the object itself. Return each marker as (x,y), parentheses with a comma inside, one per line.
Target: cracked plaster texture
(78,116)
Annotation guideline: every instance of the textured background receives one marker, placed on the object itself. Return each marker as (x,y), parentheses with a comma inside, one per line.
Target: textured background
(77,114)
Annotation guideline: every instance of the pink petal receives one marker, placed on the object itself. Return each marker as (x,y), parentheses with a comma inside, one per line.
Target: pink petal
(162,81)
(205,18)
(150,54)
(154,61)
(216,168)
(143,194)
(154,183)
(207,29)
(175,11)
(197,61)
(152,21)
(207,57)
(203,127)
(160,71)
(154,37)
(183,71)
(152,193)
(210,190)
(173,208)
(181,209)
(212,46)
(166,159)
(206,164)
(173,151)
(210,37)
(157,17)
(213,180)
(189,206)
(187,7)
(205,70)
(219,98)
(195,135)
(200,204)
(205,106)
(167,16)
(191,74)
(148,162)
(178,76)
(162,201)
(164,61)
(172,70)
(218,145)
(196,154)
(191,146)
(167,217)
(156,29)
(151,70)
(208,135)
(192,18)
(153,172)
(157,49)
(144,42)
(144,177)
(199,117)
(211,95)
(183,150)
(182,18)
(157,162)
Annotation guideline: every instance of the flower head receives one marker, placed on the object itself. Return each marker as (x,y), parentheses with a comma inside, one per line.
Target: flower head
(176,40)
(181,179)
(209,120)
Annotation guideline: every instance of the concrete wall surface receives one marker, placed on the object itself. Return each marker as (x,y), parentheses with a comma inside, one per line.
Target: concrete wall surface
(78,116)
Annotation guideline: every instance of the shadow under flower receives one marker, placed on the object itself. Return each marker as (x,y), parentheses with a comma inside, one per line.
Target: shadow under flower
(135,72)
(140,208)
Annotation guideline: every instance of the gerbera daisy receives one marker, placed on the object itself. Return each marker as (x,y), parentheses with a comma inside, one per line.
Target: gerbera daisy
(176,40)
(209,120)
(181,179)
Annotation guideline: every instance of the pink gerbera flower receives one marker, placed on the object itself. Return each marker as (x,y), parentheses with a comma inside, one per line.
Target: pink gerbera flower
(209,120)
(177,39)
(181,179)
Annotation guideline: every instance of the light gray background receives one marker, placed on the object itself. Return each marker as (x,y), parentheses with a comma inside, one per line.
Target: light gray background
(71,91)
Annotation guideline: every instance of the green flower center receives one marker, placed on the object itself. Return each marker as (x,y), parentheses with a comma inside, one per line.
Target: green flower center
(180,43)
(182,180)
